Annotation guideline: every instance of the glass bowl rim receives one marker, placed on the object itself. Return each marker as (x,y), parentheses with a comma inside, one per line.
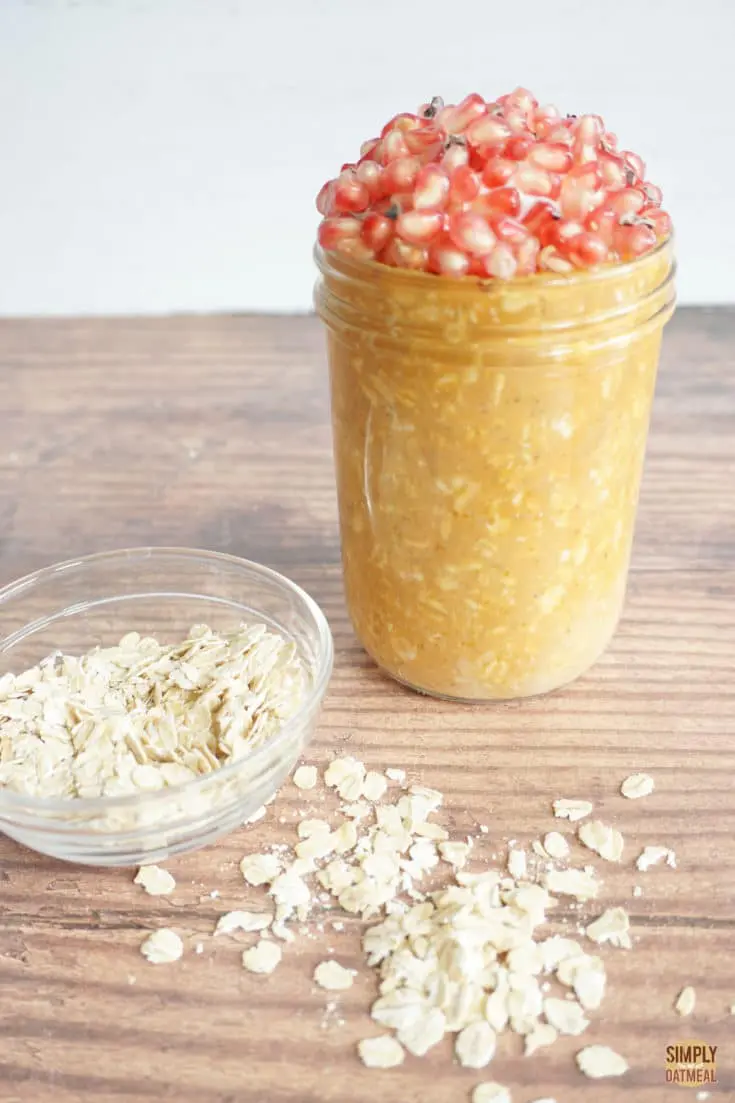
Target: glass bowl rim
(10,801)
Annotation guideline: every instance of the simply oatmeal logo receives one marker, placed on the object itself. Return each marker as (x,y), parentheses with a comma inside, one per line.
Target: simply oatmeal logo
(691,1064)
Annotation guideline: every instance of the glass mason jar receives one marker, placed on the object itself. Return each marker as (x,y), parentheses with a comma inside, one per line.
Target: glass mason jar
(489,440)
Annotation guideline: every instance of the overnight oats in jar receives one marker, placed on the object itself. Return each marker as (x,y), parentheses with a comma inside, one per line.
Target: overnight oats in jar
(494,283)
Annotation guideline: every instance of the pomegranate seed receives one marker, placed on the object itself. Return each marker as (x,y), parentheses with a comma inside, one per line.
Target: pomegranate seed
(660,219)
(498,171)
(550,261)
(498,201)
(509,230)
(418,227)
(563,231)
(585,249)
(653,194)
(612,171)
(369,173)
(446,260)
(516,121)
(400,175)
(579,194)
(501,263)
(400,201)
(552,157)
(561,134)
(522,99)
(471,232)
(402,254)
(335,231)
(633,241)
(429,110)
(404,121)
(470,108)
(464,184)
(392,146)
(324,198)
(584,153)
(634,162)
(455,156)
(527,256)
(487,130)
(627,201)
(602,223)
(368,148)
(533,181)
(422,138)
(377,230)
(518,148)
(431,189)
(590,128)
(349,194)
(355,248)
(540,221)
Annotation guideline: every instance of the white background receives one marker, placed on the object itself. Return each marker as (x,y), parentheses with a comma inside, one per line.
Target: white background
(162,155)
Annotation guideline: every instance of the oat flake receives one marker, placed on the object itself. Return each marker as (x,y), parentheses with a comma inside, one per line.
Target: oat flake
(383,1052)
(555,845)
(637,785)
(305,777)
(491,1092)
(162,947)
(685,1001)
(155,880)
(264,957)
(572,809)
(598,1061)
(612,926)
(603,839)
(332,976)
(653,855)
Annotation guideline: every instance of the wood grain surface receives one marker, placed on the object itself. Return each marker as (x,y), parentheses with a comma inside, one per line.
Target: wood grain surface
(214,432)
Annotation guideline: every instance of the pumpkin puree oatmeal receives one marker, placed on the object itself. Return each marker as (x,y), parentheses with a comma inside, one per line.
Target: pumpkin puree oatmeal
(494,282)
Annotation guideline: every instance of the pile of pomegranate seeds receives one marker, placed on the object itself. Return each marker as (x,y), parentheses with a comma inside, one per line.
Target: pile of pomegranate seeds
(498,189)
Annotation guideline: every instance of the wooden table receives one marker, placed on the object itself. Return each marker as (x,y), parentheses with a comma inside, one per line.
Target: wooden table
(213,432)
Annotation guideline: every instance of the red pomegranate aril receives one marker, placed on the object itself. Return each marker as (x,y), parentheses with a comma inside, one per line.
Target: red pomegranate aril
(487,130)
(516,120)
(501,263)
(324,198)
(584,153)
(627,201)
(464,184)
(579,192)
(585,250)
(418,227)
(356,248)
(635,163)
(518,148)
(633,241)
(392,146)
(367,149)
(402,254)
(498,171)
(377,230)
(404,121)
(400,175)
(446,260)
(349,194)
(522,99)
(431,189)
(589,128)
(552,157)
(470,108)
(455,156)
(370,174)
(661,220)
(602,223)
(334,231)
(560,134)
(498,201)
(534,181)
(540,221)
(526,255)
(612,171)
(509,230)
(471,233)
(422,138)
(653,194)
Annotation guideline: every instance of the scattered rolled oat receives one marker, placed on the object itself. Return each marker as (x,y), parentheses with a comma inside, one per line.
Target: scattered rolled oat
(396,775)
(383,1052)
(555,845)
(572,809)
(162,947)
(612,926)
(305,777)
(566,1016)
(491,1092)
(579,883)
(542,1035)
(263,957)
(597,1062)
(260,869)
(586,975)
(155,880)
(332,976)
(475,1045)
(143,715)
(374,786)
(517,865)
(242,921)
(637,785)
(455,853)
(603,839)
(652,855)
(637,890)
(685,1001)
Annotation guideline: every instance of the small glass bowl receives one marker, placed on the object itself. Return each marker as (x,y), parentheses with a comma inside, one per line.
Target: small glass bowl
(162,592)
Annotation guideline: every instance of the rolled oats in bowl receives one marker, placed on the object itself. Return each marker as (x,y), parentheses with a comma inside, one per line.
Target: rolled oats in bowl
(151,700)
